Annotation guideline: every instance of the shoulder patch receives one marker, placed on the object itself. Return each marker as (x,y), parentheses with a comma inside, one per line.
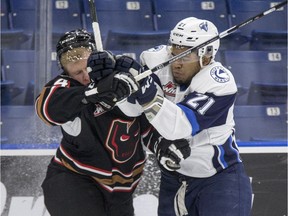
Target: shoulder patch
(156,48)
(219,74)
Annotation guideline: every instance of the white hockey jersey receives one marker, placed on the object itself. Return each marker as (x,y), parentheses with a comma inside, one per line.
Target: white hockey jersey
(201,112)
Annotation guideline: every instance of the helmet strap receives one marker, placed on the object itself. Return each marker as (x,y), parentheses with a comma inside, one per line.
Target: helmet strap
(205,60)
(208,54)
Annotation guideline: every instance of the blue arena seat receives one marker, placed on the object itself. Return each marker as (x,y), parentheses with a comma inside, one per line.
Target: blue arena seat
(23,14)
(5,24)
(169,13)
(133,43)
(121,15)
(9,91)
(267,93)
(13,39)
(256,66)
(23,18)
(10,38)
(66,15)
(18,66)
(261,123)
(242,10)
(234,41)
(267,40)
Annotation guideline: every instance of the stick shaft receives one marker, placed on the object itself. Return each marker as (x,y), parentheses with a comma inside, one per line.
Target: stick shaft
(221,35)
(95,26)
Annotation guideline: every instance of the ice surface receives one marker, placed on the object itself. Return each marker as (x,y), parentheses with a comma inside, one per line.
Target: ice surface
(146,205)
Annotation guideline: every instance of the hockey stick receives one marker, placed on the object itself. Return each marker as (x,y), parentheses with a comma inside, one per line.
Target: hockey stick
(95,26)
(221,35)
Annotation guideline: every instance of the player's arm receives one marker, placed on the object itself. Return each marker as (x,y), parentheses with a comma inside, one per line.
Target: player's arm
(60,100)
(169,153)
(187,118)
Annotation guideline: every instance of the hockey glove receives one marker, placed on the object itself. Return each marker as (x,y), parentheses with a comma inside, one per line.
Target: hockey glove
(128,64)
(147,91)
(170,153)
(111,89)
(100,64)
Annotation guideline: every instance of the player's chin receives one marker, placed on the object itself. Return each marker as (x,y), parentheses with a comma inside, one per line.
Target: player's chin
(179,80)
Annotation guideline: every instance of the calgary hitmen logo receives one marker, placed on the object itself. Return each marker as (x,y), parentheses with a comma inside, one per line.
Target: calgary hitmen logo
(123,139)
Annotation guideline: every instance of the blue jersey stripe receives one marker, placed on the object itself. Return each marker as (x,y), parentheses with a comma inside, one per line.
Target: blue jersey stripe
(221,157)
(191,117)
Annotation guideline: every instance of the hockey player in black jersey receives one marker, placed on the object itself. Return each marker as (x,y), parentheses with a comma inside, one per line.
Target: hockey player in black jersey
(100,158)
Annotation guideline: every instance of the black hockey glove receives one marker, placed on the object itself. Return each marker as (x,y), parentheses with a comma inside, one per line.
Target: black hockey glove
(100,64)
(111,89)
(170,153)
(128,64)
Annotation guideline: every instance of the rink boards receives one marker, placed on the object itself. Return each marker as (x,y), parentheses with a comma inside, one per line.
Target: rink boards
(22,172)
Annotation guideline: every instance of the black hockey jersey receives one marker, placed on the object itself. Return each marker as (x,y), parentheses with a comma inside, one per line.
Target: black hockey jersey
(104,145)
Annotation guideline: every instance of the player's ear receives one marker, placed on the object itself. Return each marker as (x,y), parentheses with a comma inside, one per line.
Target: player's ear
(206,60)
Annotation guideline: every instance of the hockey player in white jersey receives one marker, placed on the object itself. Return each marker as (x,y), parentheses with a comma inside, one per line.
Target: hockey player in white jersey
(197,104)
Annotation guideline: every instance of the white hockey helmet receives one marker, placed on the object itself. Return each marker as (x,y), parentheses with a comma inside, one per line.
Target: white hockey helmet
(191,32)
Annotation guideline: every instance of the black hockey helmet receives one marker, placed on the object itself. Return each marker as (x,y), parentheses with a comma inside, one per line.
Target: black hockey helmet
(73,39)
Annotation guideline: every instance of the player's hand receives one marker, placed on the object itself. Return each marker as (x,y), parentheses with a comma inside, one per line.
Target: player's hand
(111,89)
(128,65)
(100,64)
(147,91)
(170,153)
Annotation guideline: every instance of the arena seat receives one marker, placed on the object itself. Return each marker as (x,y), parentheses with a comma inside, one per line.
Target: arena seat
(256,66)
(5,24)
(23,14)
(23,18)
(120,15)
(240,11)
(267,93)
(8,92)
(261,122)
(10,38)
(133,43)
(234,41)
(267,40)
(13,39)
(66,15)
(169,13)
(18,66)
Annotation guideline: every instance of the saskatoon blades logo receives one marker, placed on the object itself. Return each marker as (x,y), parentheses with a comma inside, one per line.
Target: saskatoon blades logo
(156,48)
(219,74)
(204,26)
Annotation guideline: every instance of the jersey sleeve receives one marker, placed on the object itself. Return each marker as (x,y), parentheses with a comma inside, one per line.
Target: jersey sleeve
(154,56)
(195,113)
(149,135)
(205,111)
(60,101)
(207,103)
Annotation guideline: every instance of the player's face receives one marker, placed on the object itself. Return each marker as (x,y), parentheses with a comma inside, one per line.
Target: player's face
(184,69)
(75,64)
(78,71)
